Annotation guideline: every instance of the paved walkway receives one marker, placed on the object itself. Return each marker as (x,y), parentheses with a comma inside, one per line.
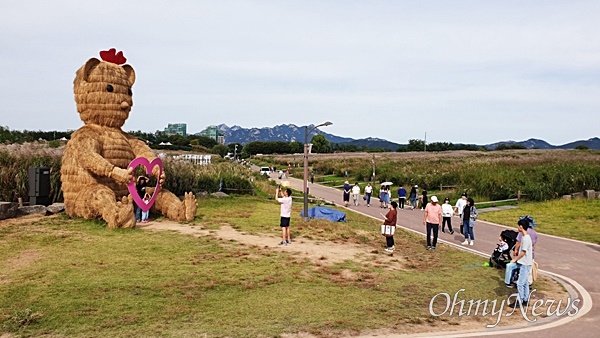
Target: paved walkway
(573,262)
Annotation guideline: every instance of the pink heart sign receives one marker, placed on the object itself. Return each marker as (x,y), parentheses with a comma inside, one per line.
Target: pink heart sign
(131,185)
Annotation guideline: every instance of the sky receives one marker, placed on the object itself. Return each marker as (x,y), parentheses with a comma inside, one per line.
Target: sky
(474,72)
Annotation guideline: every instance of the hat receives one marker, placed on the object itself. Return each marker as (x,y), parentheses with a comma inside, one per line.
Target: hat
(434,199)
(346,182)
(416,186)
(463,194)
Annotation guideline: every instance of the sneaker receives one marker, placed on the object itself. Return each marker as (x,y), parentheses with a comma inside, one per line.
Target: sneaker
(282,243)
(444,231)
(510,286)
(428,247)
(388,249)
(452,232)
(287,241)
(465,242)
(472,242)
(433,247)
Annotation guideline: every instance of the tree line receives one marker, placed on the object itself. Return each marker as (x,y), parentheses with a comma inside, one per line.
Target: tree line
(161,140)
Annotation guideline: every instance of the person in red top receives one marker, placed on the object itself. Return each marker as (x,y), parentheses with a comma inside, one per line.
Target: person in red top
(433,219)
(390,219)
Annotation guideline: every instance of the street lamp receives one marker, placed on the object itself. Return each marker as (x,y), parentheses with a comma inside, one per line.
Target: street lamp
(306,132)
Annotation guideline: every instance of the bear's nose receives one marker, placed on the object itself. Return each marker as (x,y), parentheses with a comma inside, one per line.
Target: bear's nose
(124,105)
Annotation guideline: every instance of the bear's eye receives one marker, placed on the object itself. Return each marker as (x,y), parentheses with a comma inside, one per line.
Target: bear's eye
(129,92)
(109,88)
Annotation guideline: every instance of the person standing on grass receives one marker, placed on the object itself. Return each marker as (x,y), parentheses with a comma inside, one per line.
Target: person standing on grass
(458,208)
(401,197)
(346,193)
(145,214)
(355,193)
(468,223)
(140,187)
(390,219)
(447,213)
(432,219)
(368,193)
(524,262)
(286,212)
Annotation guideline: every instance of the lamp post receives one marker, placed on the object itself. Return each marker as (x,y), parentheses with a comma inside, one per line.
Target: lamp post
(306,132)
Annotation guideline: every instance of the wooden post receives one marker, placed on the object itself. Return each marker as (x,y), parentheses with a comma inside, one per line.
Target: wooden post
(20,202)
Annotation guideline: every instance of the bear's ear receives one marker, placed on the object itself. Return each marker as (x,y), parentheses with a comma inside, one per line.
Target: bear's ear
(130,73)
(88,67)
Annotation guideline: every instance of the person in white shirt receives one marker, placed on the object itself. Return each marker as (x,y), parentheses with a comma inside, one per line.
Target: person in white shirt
(524,262)
(447,213)
(458,208)
(286,211)
(355,193)
(368,193)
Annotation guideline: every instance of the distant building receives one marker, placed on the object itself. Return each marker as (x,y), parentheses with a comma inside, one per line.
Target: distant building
(176,129)
(214,133)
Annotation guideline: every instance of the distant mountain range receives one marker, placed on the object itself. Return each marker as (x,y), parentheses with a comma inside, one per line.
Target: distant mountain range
(291,132)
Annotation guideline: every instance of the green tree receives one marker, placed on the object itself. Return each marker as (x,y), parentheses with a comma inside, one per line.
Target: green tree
(220,149)
(320,144)
(415,145)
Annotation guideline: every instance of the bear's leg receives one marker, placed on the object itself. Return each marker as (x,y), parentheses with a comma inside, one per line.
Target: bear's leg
(173,208)
(98,200)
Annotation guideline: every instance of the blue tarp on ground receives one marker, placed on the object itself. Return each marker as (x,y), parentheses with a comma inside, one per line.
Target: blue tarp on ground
(326,213)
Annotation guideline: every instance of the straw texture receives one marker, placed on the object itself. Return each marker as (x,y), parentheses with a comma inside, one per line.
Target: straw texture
(94,181)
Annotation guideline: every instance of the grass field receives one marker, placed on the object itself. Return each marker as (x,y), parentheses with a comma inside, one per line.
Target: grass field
(576,219)
(76,278)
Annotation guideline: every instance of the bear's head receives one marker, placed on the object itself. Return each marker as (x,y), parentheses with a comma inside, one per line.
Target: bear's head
(103,90)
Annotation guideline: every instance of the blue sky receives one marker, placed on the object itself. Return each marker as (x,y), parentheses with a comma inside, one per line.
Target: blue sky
(460,71)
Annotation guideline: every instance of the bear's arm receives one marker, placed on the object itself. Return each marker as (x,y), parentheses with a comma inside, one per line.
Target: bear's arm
(140,149)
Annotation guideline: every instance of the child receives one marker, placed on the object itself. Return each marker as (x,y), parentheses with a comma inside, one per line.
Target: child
(145,213)
(502,245)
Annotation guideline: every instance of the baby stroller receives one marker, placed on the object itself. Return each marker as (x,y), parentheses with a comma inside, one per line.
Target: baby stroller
(500,257)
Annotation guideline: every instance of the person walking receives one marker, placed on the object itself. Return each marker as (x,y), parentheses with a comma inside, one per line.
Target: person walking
(447,213)
(401,197)
(284,198)
(413,197)
(424,200)
(346,193)
(468,223)
(432,219)
(524,262)
(458,209)
(312,177)
(390,219)
(368,193)
(382,197)
(356,193)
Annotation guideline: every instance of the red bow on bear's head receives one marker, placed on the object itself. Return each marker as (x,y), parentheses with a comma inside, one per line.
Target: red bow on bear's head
(111,55)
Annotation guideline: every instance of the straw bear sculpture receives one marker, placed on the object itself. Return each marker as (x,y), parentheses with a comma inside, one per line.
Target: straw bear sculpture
(94,170)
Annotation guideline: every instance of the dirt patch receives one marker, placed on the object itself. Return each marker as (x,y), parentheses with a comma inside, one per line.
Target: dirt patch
(24,258)
(320,253)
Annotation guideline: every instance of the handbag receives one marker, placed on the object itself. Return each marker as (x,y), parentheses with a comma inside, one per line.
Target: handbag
(388,230)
